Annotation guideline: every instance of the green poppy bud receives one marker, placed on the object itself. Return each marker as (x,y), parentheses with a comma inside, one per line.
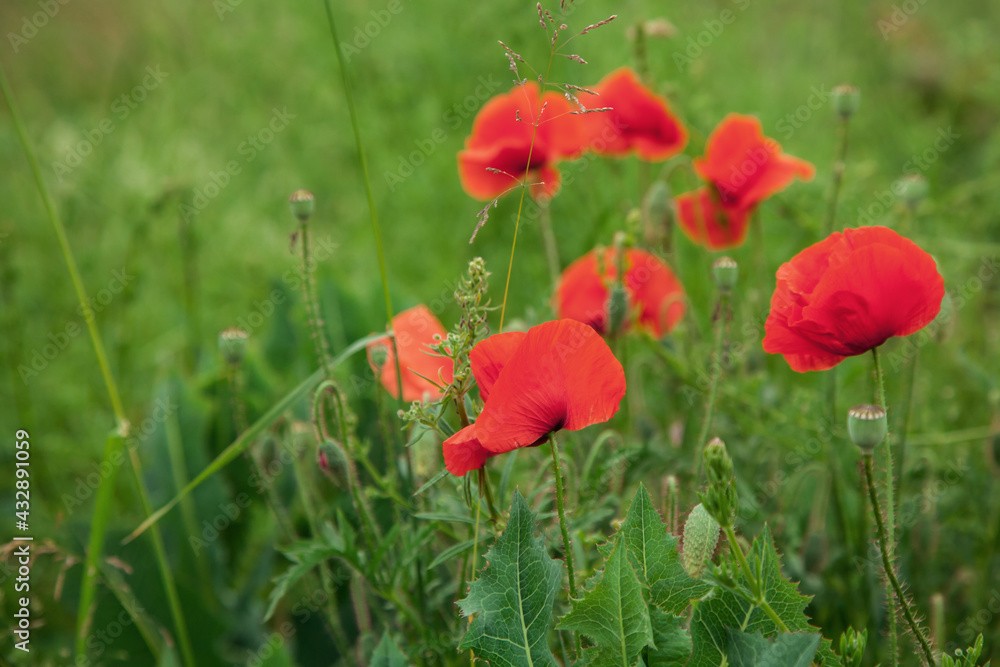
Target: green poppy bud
(912,190)
(701,535)
(378,354)
(233,345)
(657,211)
(867,425)
(302,203)
(333,462)
(726,271)
(846,100)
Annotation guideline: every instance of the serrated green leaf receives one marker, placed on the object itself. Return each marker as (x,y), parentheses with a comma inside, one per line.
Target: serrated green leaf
(752,650)
(673,643)
(304,556)
(654,553)
(726,610)
(613,615)
(387,654)
(512,599)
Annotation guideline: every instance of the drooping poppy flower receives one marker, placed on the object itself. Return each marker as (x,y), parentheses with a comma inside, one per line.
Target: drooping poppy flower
(558,375)
(415,330)
(848,294)
(743,168)
(655,295)
(638,120)
(504,135)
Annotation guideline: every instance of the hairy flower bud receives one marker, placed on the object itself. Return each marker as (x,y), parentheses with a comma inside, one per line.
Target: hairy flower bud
(912,190)
(617,308)
(846,100)
(720,498)
(657,211)
(302,203)
(333,462)
(726,271)
(233,345)
(701,535)
(867,425)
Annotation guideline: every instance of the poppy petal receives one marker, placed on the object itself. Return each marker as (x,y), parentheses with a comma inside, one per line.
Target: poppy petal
(563,375)
(706,222)
(415,330)
(490,356)
(462,452)
(656,291)
(582,294)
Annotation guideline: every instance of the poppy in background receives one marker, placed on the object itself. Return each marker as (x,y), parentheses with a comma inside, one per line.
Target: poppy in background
(743,168)
(558,375)
(415,330)
(504,135)
(639,121)
(655,297)
(849,294)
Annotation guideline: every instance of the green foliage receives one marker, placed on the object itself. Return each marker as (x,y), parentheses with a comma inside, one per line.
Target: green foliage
(513,597)
(753,650)
(613,614)
(387,654)
(967,658)
(304,556)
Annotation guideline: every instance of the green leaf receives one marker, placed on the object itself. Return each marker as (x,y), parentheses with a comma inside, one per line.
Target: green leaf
(654,553)
(445,517)
(387,654)
(304,556)
(513,598)
(613,615)
(752,650)
(673,643)
(727,610)
(456,550)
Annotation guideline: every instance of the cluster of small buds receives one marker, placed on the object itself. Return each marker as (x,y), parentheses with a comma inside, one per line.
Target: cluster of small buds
(726,272)
(852,647)
(302,203)
(701,536)
(846,100)
(720,498)
(867,426)
(233,345)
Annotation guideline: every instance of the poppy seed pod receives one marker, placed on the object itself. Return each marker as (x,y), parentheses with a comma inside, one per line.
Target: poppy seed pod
(846,100)
(302,203)
(726,271)
(233,345)
(701,536)
(867,426)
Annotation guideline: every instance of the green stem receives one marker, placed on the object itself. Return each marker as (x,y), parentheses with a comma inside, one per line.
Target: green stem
(562,517)
(838,177)
(890,573)
(890,484)
(755,586)
(716,372)
(549,241)
(312,307)
(905,420)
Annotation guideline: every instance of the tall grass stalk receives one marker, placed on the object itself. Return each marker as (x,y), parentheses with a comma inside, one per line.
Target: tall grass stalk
(102,507)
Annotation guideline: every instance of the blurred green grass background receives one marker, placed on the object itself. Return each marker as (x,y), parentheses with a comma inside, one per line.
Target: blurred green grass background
(229,65)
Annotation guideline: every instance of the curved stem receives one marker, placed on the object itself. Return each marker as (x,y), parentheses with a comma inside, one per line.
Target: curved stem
(890,573)
(890,484)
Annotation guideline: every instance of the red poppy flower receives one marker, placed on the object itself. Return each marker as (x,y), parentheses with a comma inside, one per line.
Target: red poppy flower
(743,168)
(415,330)
(558,375)
(848,294)
(655,295)
(639,120)
(504,134)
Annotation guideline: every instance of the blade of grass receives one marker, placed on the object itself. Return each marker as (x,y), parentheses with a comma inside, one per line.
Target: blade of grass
(243,441)
(113,445)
